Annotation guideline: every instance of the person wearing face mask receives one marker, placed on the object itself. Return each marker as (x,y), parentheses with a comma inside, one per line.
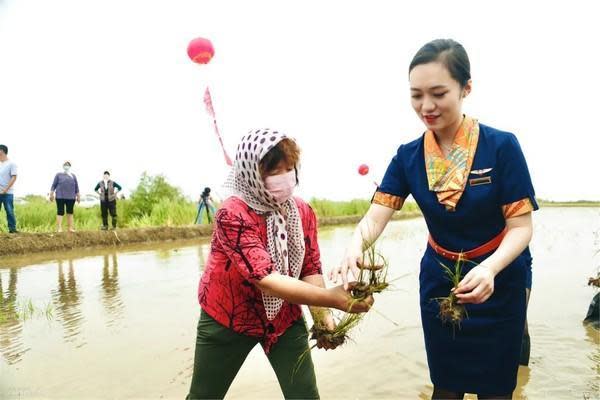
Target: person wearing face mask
(65,190)
(264,263)
(108,190)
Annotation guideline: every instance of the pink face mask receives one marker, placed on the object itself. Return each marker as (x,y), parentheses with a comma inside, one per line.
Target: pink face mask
(281,186)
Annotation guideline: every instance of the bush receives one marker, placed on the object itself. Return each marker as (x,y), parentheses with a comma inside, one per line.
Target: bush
(155,202)
(150,191)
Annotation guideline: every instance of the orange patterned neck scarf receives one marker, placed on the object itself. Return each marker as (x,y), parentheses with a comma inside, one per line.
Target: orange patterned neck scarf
(448,176)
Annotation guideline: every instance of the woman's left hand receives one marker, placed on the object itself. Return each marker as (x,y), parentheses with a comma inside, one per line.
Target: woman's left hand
(329,323)
(477,286)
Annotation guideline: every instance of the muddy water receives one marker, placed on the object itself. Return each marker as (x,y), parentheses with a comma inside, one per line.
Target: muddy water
(123,324)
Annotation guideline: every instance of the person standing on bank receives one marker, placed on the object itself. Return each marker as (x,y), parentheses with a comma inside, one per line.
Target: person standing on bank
(65,190)
(108,190)
(8,176)
(205,201)
(472,184)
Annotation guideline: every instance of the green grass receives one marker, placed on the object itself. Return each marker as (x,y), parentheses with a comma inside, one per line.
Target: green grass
(579,203)
(40,216)
(154,202)
(163,213)
(23,311)
(329,208)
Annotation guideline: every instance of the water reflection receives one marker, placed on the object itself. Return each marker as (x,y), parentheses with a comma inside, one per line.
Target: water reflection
(593,337)
(425,392)
(11,328)
(522,380)
(69,286)
(165,254)
(67,302)
(519,392)
(203,251)
(111,296)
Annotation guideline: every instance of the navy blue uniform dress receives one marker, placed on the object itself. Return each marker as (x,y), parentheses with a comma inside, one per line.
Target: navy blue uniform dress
(481,356)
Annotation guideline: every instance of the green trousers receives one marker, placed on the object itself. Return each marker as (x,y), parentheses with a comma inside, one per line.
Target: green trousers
(220,353)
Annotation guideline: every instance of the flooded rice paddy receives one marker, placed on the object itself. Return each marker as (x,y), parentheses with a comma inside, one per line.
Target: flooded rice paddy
(110,324)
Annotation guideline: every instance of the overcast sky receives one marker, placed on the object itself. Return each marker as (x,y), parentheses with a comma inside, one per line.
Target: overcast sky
(108,85)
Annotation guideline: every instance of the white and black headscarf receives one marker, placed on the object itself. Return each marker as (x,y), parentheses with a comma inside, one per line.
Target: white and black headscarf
(285,236)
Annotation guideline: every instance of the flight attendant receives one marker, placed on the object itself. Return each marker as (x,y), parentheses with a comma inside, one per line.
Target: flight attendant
(472,184)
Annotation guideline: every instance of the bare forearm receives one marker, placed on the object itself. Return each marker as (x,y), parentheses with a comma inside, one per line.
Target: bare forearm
(371,226)
(516,240)
(317,312)
(297,291)
(315,280)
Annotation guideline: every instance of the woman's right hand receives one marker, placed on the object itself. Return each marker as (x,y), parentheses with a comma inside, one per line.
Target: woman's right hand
(345,302)
(350,262)
(51,198)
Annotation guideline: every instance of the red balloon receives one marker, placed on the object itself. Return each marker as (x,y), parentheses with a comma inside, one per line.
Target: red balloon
(201,50)
(363,169)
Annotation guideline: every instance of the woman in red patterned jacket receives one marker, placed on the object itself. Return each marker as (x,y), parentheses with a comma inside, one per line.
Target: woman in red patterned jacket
(264,262)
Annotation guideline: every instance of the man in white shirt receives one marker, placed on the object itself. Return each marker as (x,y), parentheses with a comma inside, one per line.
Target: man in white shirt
(8,176)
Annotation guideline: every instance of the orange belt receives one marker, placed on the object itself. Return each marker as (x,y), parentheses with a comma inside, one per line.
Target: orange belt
(471,254)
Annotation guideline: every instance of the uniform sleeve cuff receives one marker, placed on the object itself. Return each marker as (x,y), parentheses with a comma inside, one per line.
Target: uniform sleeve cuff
(517,208)
(388,200)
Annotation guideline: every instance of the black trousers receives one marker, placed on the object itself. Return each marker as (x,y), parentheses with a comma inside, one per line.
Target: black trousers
(62,203)
(109,207)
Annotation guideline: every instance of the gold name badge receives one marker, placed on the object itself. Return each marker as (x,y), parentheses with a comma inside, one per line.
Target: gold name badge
(480,181)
